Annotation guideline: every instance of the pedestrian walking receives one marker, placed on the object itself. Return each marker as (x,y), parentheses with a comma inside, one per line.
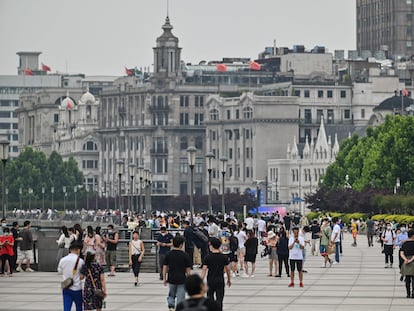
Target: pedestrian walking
(251,245)
(94,277)
(100,247)
(214,266)
(407,269)
(6,252)
(63,243)
(316,237)
(26,247)
(164,243)
(283,253)
(370,231)
(326,233)
(389,239)
(15,233)
(296,246)
(136,253)
(176,266)
(69,266)
(271,244)
(111,239)
(336,237)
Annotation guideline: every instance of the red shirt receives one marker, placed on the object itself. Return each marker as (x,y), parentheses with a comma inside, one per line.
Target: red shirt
(7,248)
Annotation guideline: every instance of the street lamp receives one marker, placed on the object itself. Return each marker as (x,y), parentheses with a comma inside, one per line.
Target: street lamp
(145,199)
(191,156)
(120,169)
(64,198)
(4,156)
(131,169)
(149,192)
(75,191)
(30,196)
(397,185)
(52,191)
(209,162)
(223,162)
(20,197)
(43,198)
(140,171)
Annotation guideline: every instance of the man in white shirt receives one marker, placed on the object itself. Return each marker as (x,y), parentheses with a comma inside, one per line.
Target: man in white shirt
(296,246)
(389,239)
(336,237)
(261,228)
(70,266)
(249,221)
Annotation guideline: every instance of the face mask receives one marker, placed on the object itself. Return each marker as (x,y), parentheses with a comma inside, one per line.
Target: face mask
(403,229)
(388,227)
(109,231)
(3,224)
(6,233)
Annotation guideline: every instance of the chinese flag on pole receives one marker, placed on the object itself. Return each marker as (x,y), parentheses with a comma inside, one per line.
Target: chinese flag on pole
(221,67)
(46,67)
(28,72)
(254,65)
(128,71)
(405,92)
(69,104)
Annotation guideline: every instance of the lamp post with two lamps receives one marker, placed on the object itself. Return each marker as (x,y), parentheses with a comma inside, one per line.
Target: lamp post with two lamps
(43,198)
(209,161)
(4,155)
(131,170)
(191,157)
(223,166)
(140,171)
(120,169)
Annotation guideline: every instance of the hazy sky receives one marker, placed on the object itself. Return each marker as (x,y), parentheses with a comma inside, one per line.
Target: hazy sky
(102,36)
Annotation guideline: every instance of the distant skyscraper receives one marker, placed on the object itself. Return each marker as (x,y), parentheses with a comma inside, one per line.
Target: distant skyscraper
(385,25)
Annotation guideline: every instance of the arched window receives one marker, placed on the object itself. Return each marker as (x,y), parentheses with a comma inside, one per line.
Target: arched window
(214,115)
(248,113)
(90,146)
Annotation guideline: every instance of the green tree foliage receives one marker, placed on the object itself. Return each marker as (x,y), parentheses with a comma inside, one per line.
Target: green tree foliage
(33,170)
(377,160)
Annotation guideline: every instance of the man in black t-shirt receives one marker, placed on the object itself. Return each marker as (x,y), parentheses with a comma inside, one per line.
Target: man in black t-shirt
(316,236)
(196,289)
(216,263)
(111,239)
(177,264)
(164,243)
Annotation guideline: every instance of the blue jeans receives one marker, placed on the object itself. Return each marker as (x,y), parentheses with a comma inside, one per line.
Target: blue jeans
(70,296)
(175,291)
(337,244)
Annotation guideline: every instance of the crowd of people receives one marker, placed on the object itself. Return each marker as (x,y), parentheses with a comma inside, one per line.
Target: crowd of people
(220,247)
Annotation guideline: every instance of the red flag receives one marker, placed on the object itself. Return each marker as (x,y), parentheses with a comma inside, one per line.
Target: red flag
(128,71)
(221,67)
(69,103)
(28,72)
(405,92)
(46,67)
(254,65)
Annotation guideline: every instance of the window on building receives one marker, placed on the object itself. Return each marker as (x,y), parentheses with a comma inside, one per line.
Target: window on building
(319,115)
(347,114)
(214,115)
(409,1)
(330,117)
(296,93)
(183,165)
(409,44)
(247,172)
(237,114)
(90,146)
(329,94)
(198,119)
(183,188)
(308,134)
(308,116)
(230,153)
(363,113)
(4,114)
(184,101)
(230,171)
(228,112)
(199,142)
(184,118)
(236,134)
(247,133)
(15,126)
(56,118)
(213,135)
(247,155)
(198,167)
(199,101)
(183,143)
(320,93)
(343,94)
(306,93)
(248,113)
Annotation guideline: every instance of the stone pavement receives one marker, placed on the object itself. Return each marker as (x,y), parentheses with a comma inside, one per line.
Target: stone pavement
(359,282)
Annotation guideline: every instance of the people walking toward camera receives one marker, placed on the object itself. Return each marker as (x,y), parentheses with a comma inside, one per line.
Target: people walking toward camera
(111,240)
(176,266)
(26,247)
(389,239)
(94,291)
(63,243)
(326,233)
(272,249)
(316,237)
(296,246)
(136,253)
(336,237)
(283,253)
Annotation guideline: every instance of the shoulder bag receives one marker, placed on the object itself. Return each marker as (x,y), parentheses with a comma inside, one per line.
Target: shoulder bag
(66,284)
(97,292)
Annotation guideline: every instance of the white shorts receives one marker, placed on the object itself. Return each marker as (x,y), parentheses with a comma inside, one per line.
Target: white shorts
(241,252)
(22,255)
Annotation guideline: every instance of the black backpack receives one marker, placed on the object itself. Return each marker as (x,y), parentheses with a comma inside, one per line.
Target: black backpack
(234,243)
(198,307)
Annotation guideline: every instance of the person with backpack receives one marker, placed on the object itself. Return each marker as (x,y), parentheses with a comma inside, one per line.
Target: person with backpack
(389,239)
(196,289)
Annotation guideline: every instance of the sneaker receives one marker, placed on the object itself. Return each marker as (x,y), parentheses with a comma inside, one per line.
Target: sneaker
(291,285)
(237,273)
(29,270)
(245,275)
(18,269)
(252,275)
(334,263)
(386,266)
(233,275)
(277,276)
(301,284)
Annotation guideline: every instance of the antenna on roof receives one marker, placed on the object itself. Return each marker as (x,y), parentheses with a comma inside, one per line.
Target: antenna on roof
(168,8)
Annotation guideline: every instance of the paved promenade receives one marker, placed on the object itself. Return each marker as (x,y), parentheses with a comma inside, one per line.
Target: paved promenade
(359,282)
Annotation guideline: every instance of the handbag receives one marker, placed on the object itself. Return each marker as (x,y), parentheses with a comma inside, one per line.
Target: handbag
(97,292)
(331,248)
(67,283)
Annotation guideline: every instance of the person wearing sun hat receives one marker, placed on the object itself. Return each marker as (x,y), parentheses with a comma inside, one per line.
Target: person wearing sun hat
(272,251)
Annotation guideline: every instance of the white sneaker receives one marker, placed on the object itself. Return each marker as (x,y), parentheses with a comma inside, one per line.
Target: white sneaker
(18,269)
(252,275)
(233,275)
(29,270)
(245,275)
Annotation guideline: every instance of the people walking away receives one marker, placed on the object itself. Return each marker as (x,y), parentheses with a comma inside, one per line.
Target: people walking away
(354,231)
(241,252)
(326,233)
(26,247)
(389,239)
(89,243)
(63,243)
(402,236)
(271,244)
(214,266)
(189,240)
(283,253)
(94,291)
(111,239)
(164,243)
(136,253)
(287,221)
(370,231)
(196,290)
(70,266)
(316,237)
(407,269)
(296,246)
(176,266)
(251,245)
(336,237)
